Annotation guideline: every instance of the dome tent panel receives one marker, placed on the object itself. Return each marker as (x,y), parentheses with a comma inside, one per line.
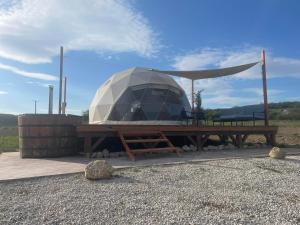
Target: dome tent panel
(118,86)
(99,112)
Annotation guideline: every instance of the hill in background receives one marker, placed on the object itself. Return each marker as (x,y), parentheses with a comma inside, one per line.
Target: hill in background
(8,120)
(277,111)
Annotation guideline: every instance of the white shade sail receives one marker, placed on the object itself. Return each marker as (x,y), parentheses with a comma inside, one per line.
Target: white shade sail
(203,74)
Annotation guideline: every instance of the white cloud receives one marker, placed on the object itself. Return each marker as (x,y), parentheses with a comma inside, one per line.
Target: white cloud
(218,92)
(218,58)
(197,61)
(37,83)
(259,91)
(229,101)
(3,92)
(33,30)
(41,76)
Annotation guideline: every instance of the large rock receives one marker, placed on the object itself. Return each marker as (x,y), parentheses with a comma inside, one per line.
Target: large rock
(277,153)
(98,169)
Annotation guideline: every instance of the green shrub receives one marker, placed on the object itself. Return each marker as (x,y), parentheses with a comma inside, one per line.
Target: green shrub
(9,142)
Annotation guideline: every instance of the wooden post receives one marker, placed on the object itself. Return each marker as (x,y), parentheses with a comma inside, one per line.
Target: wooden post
(88,145)
(193,100)
(64,104)
(264,79)
(199,142)
(193,104)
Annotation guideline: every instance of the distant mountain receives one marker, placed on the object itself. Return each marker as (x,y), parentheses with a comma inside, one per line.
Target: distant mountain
(8,120)
(277,111)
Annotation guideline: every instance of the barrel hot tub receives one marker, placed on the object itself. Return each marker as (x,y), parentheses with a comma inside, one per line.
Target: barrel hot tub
(42,135)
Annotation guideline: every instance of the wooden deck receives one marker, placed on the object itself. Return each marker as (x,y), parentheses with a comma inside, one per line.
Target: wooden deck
(198,135)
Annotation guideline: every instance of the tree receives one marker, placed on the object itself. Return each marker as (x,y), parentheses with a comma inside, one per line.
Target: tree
(85,116)
(199,110)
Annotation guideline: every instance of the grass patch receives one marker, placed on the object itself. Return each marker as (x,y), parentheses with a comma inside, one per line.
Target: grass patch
(8,143)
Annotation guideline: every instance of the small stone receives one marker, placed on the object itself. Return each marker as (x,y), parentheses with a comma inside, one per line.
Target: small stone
(114,154)
(277,153)
(99,155)
(105,153)
(98,169)
(257,145)
(221,147)
(185,148)
(212,147)
(122,154)
(230,146)
(193,148)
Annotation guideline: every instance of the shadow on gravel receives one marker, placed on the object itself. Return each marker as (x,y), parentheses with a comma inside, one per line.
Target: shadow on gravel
(224,167)
(117,179)
(264,167)
(292,160)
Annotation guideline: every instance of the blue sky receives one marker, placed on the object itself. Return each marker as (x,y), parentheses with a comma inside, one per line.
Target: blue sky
(104,37)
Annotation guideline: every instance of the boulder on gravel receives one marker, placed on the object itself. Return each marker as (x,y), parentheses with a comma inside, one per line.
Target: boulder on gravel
(98,169)
(277,153)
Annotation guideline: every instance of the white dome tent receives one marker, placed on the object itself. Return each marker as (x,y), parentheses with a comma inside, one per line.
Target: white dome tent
(141,96)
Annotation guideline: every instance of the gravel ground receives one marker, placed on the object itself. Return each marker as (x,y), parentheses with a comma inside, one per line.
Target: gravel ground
(252,191)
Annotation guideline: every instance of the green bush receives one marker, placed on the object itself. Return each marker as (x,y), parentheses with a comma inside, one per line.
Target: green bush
(9,142)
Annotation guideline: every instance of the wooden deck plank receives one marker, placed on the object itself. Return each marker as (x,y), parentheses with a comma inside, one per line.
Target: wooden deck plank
(82,129)
(146,140)
(167,149)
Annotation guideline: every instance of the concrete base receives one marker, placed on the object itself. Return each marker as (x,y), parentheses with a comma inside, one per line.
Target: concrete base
(13,167)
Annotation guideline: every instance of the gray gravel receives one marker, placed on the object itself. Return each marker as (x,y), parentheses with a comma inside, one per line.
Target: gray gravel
(256,191)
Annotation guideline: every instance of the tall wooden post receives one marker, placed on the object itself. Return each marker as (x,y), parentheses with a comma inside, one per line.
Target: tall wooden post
(264,79)
(64,104)
(193,104)
(193,96)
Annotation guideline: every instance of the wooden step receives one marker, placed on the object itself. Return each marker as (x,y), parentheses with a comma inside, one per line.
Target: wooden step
(145,137)
(146,140)
(140,134)
(166,149)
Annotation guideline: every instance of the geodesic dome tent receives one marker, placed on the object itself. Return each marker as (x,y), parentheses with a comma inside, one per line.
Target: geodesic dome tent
(138,94)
